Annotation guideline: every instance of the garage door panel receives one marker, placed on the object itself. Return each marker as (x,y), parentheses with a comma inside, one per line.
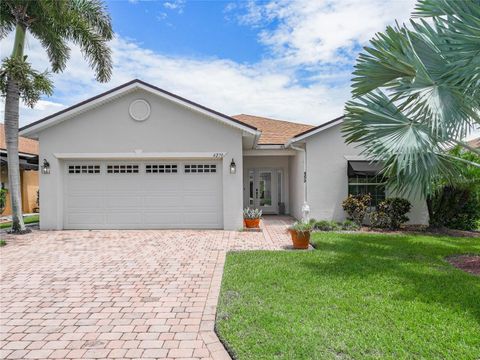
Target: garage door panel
(162,202)
(124,202)
(195,219)
(85,202)
(125,218)
(145,199)
(122,183)
(163,219)
(87,218)
(82,183)
(157,182)
(200,183)
(202,202)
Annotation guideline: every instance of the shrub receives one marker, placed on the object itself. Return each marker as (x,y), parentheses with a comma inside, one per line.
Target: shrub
(379,219)
(455,208)
(391,213)
(349,225)
(356,206)
(326,225)
(3,199)
(455,203)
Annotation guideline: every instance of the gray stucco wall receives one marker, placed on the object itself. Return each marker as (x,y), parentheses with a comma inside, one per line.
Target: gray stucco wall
(110,129)
(328,182)
(296,188)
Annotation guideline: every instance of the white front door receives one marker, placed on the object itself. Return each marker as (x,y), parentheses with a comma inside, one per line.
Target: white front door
(263,190)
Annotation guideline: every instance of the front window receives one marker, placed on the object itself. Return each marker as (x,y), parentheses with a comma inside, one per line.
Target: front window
(373,185)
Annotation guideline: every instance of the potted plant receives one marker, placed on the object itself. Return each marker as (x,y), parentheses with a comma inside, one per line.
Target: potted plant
(251,218)
(300,233)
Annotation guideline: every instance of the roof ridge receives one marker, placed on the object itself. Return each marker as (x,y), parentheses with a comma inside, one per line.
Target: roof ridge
(272,119)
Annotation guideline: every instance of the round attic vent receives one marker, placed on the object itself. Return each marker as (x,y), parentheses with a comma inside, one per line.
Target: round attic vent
(139,110)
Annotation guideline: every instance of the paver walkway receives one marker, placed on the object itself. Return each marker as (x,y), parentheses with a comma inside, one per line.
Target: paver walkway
(118,294)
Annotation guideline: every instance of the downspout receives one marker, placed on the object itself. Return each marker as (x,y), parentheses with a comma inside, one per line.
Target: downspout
(305,206)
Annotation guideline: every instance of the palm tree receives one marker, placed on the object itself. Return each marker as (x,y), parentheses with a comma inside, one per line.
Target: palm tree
(416,94)
(56,24)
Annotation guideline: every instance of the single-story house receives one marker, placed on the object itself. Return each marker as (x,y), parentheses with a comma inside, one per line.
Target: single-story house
(28,157)
(139,157)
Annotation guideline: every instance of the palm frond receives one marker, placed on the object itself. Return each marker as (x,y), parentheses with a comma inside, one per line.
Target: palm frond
(413,158)
(416,92)
(54,44)
(383,62)
(95,14)
(87,25)
(7,20)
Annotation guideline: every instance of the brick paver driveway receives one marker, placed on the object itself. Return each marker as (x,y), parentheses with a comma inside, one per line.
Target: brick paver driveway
(118,294)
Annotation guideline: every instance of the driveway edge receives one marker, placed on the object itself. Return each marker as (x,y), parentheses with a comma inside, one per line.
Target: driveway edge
(207,325)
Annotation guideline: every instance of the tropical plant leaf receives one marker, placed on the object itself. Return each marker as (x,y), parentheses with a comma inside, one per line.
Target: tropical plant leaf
(416,93)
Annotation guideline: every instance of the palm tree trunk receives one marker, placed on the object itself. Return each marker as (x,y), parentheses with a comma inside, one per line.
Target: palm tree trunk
(11,138)
(12,103)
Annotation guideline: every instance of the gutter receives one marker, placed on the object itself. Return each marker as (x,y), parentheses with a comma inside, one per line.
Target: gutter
(256,138)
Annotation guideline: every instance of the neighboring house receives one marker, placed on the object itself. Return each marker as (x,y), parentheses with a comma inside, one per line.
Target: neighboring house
(28,154)
(139,157)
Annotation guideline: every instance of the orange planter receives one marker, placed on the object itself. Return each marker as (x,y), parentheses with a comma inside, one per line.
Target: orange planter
(300,239)
(252,223)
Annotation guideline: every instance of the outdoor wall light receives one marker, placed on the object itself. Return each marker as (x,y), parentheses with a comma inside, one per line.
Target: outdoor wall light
(45,167)
(233,167)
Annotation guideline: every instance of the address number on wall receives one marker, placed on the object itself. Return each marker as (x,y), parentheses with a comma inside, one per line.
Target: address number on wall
(218,155)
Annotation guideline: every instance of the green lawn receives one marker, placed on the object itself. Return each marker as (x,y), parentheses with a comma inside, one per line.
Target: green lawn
(27,219)
(358,296)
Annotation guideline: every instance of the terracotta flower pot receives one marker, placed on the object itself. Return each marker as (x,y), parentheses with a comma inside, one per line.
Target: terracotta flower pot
(300,239)
(252,223)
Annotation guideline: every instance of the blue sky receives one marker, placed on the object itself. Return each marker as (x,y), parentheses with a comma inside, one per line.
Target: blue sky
(286,59)
(194,29)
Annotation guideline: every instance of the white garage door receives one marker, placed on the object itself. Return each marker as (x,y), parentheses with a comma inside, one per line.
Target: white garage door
(143,195)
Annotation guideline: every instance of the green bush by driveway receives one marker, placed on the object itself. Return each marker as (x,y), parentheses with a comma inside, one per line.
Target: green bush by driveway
(358,296)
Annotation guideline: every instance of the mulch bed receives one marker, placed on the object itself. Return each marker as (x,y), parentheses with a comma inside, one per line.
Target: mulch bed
(467,263)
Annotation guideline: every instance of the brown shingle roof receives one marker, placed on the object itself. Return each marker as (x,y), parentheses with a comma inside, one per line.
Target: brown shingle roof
(27,146)
(273,131)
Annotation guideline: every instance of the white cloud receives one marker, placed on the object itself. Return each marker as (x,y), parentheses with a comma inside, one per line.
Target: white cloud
(303,35)
(224,85)
(177,5)
(47,106)
(305,32)
(161,16)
